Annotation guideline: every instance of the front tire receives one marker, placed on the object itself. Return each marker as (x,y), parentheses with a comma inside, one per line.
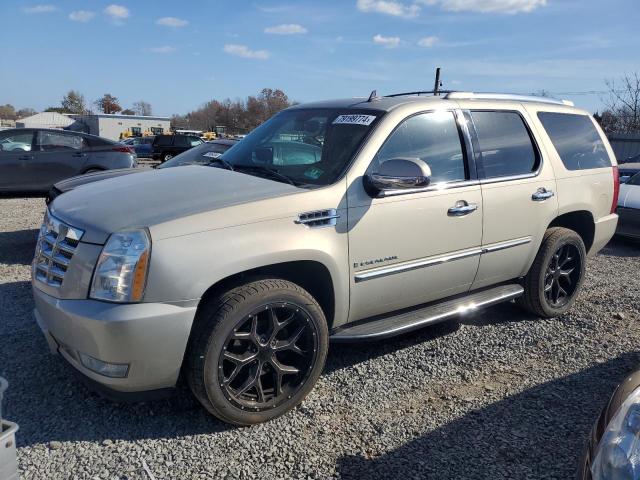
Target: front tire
(257,351)
(555,277)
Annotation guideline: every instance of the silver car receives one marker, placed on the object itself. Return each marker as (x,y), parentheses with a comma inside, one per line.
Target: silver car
(32,160)
(629,208)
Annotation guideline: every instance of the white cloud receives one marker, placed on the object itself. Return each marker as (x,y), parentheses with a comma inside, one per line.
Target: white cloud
(117,12)
(172,22)
(428,42)
(40,9)
(244,51)
(81,16)
(388,7)
(488,6)
(388,42)
(286,29)
(163,50)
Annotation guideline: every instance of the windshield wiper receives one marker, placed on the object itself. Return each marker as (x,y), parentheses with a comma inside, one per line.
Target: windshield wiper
(221,160)
(268,171)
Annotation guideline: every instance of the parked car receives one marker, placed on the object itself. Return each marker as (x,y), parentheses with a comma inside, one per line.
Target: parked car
(165,147)
(200,155)
(346,220)
(628,170)
(142,145)
(612,450)
(32,160)
(629,208)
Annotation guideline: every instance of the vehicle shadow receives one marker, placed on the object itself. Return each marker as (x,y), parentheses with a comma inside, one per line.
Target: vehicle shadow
(621,247)
(516,437)
(17,247)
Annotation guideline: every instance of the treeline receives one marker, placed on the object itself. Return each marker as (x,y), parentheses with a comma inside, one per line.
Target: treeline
(238,116)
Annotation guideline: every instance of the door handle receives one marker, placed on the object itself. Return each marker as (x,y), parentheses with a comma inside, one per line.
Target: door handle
(79,154)
(542,194)
(462,208)
(25,157)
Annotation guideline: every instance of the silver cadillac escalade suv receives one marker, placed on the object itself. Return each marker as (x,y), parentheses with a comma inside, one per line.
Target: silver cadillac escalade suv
(342,220)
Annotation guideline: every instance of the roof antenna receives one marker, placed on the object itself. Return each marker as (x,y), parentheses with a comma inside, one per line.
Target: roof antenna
(373,96)
(437,84)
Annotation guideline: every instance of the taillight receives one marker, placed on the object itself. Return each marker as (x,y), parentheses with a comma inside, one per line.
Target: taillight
(616,189)
(123,149)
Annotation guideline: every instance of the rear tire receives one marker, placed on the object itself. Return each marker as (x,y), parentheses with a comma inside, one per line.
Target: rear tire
(232,367)
(555,277)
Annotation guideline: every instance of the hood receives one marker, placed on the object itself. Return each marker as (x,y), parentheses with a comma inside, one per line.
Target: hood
(73,182)
(629,196)
(154,197)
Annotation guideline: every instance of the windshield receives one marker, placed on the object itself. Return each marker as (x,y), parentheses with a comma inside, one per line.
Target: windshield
(305,146)
(200,155)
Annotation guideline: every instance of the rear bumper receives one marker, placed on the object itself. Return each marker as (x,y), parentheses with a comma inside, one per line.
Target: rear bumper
(629,223)
(149,337)
(605,227)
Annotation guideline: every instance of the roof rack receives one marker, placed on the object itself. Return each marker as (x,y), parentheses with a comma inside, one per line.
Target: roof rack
(421,92)
(506,96)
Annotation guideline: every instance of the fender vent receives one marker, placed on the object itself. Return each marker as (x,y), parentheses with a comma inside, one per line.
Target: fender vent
(318,218)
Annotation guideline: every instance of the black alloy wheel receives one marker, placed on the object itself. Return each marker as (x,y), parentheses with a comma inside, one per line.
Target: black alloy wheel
(268,356)
(562,275)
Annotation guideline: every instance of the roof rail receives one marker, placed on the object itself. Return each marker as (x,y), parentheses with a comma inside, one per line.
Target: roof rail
(421,92)
(506,96)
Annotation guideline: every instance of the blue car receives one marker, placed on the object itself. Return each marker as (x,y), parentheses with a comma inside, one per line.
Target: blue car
(142,145)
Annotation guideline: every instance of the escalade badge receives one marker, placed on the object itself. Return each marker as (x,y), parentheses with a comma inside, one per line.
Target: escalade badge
(375,261)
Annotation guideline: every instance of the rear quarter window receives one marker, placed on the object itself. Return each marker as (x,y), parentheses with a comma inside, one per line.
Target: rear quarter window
(576,140)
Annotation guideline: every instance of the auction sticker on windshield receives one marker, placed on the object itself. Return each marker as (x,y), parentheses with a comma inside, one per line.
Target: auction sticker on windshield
(354,119)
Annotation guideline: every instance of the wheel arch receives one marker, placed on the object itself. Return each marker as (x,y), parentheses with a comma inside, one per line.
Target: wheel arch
(311,275)
(581,222)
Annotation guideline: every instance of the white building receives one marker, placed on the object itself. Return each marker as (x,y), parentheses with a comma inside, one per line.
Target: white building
(45,120)
(115,126)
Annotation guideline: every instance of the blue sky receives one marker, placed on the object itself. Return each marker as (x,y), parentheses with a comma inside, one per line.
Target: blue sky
(177,55)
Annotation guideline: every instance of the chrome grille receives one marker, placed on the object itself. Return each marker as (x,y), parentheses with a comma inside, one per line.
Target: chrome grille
(56,245)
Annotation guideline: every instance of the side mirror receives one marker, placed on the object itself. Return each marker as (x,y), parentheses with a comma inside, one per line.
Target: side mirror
(398,174)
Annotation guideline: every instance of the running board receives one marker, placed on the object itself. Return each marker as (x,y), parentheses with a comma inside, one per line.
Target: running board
(406,321)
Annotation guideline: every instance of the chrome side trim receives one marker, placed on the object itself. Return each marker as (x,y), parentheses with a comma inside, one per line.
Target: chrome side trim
(427,262)
(504,245)
(440,259)
(430,188)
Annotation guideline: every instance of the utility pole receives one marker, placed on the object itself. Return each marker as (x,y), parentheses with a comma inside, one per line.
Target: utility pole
(437,85)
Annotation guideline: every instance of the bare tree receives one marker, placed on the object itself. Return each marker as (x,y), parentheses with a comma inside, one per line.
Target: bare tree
(143,108)
(622,114)
(73,102)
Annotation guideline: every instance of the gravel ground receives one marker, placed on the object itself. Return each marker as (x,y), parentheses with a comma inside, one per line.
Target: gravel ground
(500,394)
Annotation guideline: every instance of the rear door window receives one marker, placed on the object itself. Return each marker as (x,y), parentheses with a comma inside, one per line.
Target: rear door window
(576,140)
(59,142)
(506,146)
(184,142)
(164,140)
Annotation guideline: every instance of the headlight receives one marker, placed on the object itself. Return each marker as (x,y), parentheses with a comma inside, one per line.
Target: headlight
(121,272)
(618,453)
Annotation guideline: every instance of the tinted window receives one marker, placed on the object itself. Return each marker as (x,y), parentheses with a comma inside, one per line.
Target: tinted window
(576,140)
(58,142)
(505,144)
(195,141)
(16,141)
(98,142)
(184,142)
(164,140)
(431,137)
